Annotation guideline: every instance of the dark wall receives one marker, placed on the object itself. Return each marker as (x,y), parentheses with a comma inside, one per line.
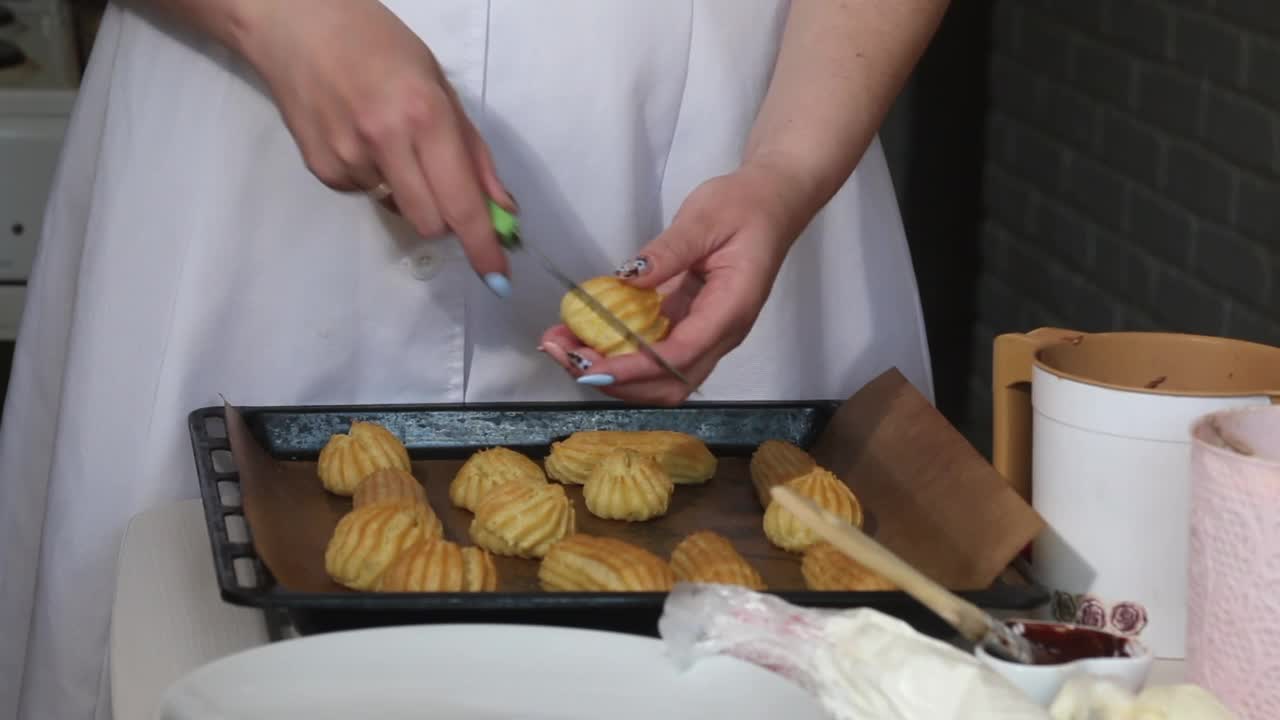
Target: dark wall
(934,138)
(1130,176)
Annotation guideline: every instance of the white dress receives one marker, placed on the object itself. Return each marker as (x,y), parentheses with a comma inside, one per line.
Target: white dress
(188,252)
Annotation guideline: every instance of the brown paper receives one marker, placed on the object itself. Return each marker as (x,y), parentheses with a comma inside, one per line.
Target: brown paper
(927,494)
(936,502)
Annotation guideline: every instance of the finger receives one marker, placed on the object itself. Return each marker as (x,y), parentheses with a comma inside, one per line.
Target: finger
(488,171)
(675,250)
(712,327)
(678,294)
(357,159)
(410,194)
(636,376)
(556,352)
(575,358)
(666,391)
(560,335)
(580,362)
(389,202)
(445,157)
(319,156)
(329,169)
(373,187)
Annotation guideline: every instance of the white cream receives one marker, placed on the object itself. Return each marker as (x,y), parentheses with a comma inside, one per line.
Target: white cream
(876,667)
(865,665)
(1092,698)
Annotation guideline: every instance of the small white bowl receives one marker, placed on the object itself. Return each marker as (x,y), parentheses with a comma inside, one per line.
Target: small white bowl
(1042,682)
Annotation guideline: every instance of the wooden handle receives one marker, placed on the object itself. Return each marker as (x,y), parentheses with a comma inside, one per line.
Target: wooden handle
(964,616)
(1012,357)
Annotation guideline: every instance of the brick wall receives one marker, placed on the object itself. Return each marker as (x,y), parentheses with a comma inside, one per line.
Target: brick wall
(1132,175)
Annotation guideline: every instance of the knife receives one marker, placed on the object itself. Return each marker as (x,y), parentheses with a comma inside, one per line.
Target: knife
(508,229)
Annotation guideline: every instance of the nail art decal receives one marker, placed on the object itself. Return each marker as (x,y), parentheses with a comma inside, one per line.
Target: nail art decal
(634,267)
(579,362)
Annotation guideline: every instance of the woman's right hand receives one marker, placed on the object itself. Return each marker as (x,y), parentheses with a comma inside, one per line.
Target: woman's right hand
(368,103)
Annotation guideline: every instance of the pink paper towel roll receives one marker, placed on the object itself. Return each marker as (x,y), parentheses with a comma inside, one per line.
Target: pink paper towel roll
(1233,594)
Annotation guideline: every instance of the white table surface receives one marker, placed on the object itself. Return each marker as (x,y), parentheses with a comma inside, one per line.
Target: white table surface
(169,618)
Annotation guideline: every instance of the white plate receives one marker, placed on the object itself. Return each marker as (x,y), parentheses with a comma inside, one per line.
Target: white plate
(475,672)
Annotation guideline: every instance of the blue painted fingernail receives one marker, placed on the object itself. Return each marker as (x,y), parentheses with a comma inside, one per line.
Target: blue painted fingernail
(596,380)
(499,284)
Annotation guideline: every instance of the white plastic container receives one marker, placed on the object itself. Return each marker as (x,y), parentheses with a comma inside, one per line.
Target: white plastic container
(1096,429)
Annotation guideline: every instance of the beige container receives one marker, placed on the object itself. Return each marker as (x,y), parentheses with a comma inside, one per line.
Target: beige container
(1095,430)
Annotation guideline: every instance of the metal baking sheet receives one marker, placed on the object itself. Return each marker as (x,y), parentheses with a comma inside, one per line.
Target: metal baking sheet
(440,437)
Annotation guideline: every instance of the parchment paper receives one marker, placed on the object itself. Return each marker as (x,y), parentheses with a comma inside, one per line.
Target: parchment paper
(928,495)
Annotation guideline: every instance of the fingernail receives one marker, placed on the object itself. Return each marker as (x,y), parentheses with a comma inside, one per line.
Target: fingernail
(579,362)
(596,380)
(499,284)
(635,267)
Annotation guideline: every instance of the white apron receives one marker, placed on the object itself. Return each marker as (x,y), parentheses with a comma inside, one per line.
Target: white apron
(188,252)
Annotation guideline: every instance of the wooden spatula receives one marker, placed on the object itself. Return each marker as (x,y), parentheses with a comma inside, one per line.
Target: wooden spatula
(970,620)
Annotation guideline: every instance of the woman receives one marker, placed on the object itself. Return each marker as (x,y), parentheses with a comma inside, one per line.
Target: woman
(284,203)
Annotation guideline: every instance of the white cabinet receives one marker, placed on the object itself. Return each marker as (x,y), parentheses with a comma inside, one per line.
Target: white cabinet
(37,93)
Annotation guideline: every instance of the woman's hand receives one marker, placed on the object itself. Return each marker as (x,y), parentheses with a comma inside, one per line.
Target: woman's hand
(716,266)
(368,104)
(838,69)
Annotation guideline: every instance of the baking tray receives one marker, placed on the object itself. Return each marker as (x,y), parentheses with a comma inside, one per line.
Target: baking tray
(453,432)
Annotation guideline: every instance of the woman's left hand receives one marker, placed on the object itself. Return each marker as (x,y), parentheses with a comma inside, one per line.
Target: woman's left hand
(716,266)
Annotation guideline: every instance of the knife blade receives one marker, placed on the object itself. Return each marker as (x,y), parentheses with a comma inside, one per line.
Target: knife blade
(508,229)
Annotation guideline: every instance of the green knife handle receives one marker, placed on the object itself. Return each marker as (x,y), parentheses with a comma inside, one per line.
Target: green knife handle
(506,225)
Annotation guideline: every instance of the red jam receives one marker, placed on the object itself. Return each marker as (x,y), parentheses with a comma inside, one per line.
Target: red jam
(1058,644)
